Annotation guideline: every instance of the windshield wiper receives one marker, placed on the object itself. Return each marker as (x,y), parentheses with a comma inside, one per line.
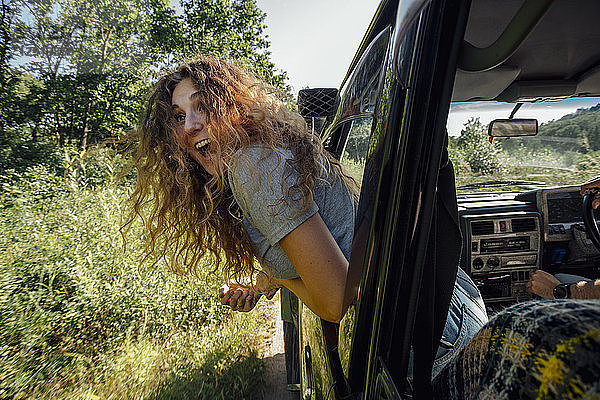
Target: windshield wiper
(523,184)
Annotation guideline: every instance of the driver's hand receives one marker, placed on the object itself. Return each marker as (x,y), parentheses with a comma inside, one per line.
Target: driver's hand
(542,283)
(593,184)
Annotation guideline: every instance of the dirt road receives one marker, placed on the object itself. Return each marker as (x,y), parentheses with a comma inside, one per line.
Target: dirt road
(274,358)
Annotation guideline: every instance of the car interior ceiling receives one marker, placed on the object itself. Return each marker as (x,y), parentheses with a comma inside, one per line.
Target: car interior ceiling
(555,56)
(518,51)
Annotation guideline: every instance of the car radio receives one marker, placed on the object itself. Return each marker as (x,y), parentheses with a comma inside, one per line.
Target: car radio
(500,252)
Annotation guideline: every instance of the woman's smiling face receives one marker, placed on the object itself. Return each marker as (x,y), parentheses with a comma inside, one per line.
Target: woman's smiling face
(192,130)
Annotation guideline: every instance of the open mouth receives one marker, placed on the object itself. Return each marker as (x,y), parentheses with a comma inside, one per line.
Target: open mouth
(202,146)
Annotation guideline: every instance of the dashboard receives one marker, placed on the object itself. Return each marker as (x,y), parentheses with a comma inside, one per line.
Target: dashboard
(508,235)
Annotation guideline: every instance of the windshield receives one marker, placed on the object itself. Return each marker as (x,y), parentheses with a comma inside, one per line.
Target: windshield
(566,150)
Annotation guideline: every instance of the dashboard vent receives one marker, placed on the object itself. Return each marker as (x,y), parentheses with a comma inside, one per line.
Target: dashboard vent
(482,228)
(523,224)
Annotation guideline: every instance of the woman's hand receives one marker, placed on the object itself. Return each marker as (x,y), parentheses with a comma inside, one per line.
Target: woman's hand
(244,298)
(266,285)
(239,298)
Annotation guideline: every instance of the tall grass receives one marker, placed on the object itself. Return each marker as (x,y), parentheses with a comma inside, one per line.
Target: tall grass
(548,167)
(81,318)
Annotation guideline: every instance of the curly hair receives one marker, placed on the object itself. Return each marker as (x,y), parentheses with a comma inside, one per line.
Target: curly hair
(189,213)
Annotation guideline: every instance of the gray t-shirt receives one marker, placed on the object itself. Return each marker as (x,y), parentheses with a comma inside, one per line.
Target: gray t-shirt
(260,178)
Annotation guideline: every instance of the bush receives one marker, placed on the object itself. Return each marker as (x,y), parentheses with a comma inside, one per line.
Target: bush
(19,155)
(461,166)
(30,186)
(26,165)
(75,309)
(588,165)
(475,148)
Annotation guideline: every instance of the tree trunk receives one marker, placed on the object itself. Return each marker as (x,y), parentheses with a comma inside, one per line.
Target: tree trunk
(34,135)
(58,130)
(6,20)
(72,122)
(86,126)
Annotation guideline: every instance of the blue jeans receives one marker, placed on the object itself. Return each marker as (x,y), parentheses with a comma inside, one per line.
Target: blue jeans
(568,278)
(465,317)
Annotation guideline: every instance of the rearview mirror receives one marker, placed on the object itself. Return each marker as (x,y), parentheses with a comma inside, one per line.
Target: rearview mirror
(513,127)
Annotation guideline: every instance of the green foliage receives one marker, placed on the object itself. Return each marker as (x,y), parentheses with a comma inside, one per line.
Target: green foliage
(28,165)
(7,12)
(589,164)
(353,168)
(83,36)
(18,154)
(475,148)
(232,29)
(579,131)
(575,133)
(549,158)
(63,108)
(34,184)
(457,157)
(89,63)
(358,139)
(78,314)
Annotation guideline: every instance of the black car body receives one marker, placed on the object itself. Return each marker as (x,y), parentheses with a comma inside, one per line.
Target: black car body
(416,58)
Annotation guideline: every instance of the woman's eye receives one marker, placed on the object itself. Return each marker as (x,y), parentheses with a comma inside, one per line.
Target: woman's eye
(179,117)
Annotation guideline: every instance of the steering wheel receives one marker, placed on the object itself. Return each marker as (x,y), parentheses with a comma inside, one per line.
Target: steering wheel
(588,218)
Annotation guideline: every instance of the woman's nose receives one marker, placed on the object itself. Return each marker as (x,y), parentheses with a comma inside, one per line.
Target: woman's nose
(194,123)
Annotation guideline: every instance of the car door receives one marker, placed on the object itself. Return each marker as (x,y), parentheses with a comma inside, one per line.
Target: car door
(395,245)
(348,140)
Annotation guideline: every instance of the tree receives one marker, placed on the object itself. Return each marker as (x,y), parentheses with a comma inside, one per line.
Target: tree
(358,139)
(478,152)
(233,29)
(7,78)
(89,62)
(88,56)
(6,31)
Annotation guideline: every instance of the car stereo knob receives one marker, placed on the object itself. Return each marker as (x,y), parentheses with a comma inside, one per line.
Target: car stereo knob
(493,262)
(477,263)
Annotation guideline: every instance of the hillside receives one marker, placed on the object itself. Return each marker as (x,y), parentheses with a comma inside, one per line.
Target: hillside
(583,126)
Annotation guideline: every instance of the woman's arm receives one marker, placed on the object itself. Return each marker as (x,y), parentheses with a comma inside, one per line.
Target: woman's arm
(321,265)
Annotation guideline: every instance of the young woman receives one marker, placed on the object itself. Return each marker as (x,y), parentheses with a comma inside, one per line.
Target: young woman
(234,177)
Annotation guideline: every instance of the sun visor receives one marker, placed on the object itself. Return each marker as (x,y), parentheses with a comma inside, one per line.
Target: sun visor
(484,85)
(589,84)
(527,91)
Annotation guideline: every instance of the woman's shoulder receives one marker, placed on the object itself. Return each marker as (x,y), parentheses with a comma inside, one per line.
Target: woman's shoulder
(258,158)
(260,151)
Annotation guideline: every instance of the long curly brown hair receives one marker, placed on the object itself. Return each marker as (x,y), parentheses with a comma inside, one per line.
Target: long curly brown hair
(190,214)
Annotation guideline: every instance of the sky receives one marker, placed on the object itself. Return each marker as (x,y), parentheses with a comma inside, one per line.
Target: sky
(314,41)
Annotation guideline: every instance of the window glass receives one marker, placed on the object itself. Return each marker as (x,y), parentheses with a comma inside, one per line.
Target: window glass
(360,93)
(564,152)
(357,145)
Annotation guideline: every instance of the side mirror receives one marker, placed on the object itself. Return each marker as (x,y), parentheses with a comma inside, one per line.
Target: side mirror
(512,128)
(318,107)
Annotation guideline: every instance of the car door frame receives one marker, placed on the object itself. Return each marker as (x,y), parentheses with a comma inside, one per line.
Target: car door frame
(409,126)
(413,152)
